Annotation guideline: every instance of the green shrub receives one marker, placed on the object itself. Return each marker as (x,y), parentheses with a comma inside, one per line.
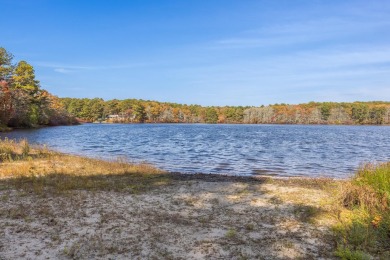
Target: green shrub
(348,254)
(367,228)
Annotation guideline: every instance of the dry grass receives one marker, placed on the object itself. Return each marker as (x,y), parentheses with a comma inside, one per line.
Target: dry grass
(36,169)
(11,150)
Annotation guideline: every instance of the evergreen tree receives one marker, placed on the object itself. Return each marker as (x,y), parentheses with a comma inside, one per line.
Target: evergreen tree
(6,67)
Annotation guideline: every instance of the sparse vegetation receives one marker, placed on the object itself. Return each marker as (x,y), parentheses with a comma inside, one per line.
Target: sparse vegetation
(231,233)
(306,213)
(249,227)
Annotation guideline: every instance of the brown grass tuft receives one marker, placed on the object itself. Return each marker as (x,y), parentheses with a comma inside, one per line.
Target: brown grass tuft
(354,196)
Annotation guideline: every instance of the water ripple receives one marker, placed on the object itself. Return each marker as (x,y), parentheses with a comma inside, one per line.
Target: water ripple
(284,150)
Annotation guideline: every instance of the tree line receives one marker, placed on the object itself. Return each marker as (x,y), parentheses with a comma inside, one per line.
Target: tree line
(145,111)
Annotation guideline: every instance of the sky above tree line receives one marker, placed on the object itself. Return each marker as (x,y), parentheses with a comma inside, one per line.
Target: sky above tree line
(216,52)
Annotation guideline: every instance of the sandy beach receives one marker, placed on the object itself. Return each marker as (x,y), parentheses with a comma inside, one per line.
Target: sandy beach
(188,217)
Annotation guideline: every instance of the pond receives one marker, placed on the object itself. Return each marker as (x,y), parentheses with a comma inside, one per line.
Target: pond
(280,150)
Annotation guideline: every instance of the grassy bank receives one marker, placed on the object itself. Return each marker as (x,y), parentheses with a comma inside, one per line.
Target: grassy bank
(4,128)
(364,221)
(35,168)
(138,211)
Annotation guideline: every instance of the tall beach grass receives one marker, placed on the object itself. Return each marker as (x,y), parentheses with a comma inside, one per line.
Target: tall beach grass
(364,225)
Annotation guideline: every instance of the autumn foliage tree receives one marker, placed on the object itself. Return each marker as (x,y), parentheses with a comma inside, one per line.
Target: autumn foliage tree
(22,102)
(5,103)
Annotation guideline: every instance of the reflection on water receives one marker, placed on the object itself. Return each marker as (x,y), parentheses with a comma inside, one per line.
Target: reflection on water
(284,150)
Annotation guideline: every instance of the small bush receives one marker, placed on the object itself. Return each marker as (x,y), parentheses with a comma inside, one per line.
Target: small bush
(348,254)
(231,233)
(306,213)
(375,176)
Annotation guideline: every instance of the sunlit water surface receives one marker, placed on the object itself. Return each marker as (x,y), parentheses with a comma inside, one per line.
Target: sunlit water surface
(282,150)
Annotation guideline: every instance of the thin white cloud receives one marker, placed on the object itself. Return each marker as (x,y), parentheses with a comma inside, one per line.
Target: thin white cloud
(62,70)
(54,65)
(299,32)
(66,68)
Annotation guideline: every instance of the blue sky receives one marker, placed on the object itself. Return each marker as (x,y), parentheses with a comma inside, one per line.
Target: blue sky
(215,52)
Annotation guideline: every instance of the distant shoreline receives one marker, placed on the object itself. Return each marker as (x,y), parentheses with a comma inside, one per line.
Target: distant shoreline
(184,123)
(10,129)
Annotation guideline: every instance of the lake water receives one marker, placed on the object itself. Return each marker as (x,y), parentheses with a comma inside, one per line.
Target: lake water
(282,150)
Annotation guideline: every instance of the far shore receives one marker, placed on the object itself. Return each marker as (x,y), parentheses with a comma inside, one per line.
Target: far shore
(9,129)
(181,123)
